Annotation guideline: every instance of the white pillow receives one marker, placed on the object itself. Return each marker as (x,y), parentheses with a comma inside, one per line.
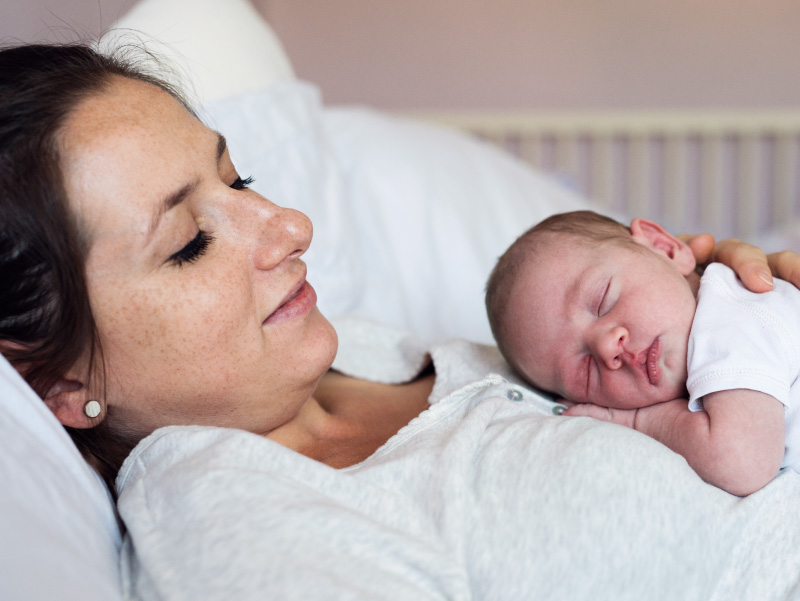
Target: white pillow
(58,534)
(433,210)
(222,46)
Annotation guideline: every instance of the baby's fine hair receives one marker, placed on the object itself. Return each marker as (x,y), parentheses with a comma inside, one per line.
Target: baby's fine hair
(585,227)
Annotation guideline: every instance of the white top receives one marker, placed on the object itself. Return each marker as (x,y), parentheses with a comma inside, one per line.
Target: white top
(741,339)
(485,495)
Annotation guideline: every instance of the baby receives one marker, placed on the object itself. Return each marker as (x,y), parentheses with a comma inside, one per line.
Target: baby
(609,318)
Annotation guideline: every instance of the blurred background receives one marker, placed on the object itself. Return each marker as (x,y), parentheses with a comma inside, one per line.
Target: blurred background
(508,54)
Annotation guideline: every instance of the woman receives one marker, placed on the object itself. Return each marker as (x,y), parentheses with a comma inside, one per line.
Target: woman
(145,286)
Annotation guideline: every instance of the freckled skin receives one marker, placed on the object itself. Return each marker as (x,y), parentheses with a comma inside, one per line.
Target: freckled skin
(187,344)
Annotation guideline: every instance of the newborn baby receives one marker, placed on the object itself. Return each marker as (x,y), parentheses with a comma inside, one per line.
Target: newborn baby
(616,321)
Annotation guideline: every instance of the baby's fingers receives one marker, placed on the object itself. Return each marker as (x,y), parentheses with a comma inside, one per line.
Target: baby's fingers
(589,410)
(623,417)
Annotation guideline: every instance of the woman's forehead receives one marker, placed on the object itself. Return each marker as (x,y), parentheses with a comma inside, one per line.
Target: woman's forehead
(125,110)
(124,149)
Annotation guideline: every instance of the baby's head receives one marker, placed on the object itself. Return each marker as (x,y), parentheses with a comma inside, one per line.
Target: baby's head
(593,311)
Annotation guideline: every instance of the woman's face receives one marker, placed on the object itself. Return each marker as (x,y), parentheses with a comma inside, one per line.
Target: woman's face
(196,282)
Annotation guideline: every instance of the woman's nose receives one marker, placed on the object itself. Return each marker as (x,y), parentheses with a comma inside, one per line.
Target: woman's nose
(280,234)
(610,346)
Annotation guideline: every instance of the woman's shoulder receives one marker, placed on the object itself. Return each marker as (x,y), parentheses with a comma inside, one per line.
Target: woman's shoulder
(172,450)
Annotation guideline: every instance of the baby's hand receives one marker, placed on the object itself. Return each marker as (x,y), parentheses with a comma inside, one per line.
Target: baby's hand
(623,417)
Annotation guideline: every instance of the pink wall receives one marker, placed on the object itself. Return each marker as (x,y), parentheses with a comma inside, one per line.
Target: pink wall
(545,53)
(405,54)
(57,20)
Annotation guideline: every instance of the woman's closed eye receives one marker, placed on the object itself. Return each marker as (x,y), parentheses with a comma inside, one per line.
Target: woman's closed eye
(195,249)
(198,245)
(242,184)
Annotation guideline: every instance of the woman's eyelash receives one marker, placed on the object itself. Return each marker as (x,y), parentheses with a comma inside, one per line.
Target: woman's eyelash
(242,184)
(196,248)
(198,245)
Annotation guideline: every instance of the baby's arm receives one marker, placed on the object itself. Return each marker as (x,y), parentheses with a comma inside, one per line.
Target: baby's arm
(737,443)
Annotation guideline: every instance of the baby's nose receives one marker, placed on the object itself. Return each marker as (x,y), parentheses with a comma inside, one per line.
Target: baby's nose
(611,347)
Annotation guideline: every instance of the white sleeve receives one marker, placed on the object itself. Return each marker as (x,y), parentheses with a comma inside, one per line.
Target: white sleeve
(740,339)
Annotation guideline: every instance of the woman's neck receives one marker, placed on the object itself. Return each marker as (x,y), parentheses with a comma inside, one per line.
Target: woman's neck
(348,419)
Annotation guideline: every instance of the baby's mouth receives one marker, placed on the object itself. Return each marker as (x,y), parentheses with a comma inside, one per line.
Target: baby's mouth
(651,362)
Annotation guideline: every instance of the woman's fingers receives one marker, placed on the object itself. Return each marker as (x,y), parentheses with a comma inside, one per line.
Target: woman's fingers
(754,268)
(786,266)
(701,245)
(750,263)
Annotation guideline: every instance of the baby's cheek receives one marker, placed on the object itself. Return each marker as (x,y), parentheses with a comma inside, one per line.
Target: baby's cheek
(621,392)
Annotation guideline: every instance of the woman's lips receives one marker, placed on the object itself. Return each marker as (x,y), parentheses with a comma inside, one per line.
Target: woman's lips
(299,302)
(651,363)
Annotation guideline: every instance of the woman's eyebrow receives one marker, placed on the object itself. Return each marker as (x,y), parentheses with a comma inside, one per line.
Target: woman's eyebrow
(168,203)
(178,197)
(221,146)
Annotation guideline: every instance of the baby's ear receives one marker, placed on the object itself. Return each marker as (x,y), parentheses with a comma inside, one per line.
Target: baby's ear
(656,238)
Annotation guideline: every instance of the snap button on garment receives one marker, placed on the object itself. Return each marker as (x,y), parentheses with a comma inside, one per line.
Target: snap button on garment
(514,395)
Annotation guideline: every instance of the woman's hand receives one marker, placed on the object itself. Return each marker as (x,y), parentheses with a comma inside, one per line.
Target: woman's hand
(753,267)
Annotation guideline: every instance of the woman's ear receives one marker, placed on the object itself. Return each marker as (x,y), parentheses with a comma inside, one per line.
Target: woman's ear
(67,398)
(656,238)
(68,401)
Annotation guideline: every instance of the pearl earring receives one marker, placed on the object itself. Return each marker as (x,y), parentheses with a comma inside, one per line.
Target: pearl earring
(92,409)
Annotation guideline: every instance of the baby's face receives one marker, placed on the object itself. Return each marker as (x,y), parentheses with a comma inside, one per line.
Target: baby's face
(603,323)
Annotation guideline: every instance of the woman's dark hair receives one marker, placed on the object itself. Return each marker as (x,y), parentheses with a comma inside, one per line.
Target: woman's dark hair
(46,321)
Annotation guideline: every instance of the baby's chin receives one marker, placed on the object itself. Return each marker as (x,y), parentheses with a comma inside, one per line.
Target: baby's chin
(677,391)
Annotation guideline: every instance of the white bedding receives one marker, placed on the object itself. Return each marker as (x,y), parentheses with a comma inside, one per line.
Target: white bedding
(486,495)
